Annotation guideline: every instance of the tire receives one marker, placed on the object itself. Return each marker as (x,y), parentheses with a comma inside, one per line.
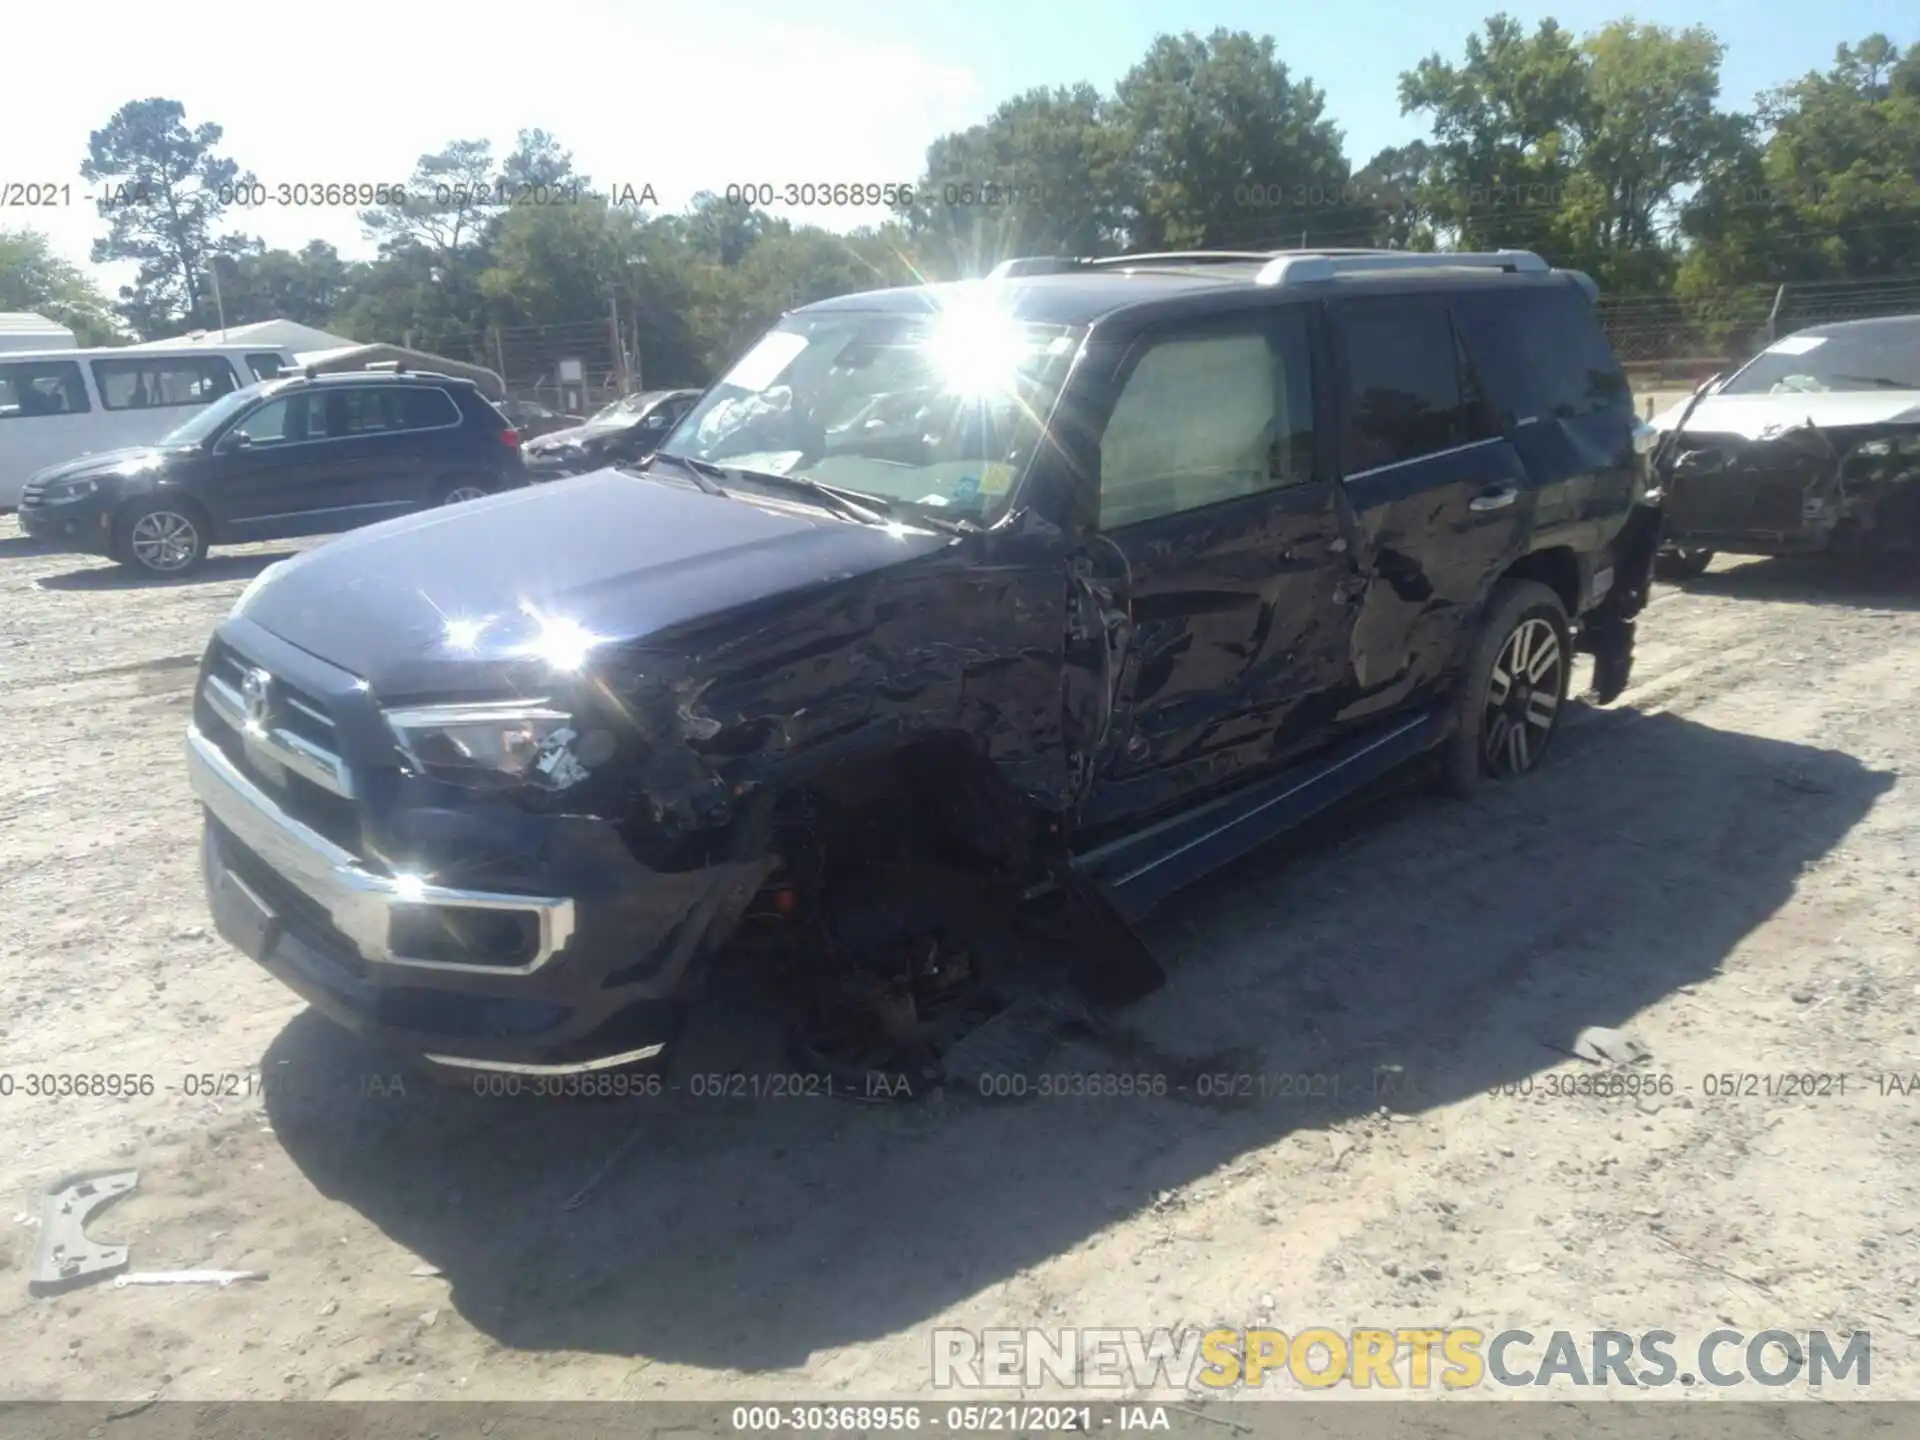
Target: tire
(161,537)
(460,489)
(1682,564)
(1526,619)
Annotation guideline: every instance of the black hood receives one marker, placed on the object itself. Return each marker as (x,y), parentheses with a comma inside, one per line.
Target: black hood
(612,554)
(131,461)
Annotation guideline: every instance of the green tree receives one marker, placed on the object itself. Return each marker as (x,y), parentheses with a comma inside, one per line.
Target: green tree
(1505,124)
(309,286)
(33,277)
(1224,149)
(1040,176)
(1829,187)
(446,205)
(165,192)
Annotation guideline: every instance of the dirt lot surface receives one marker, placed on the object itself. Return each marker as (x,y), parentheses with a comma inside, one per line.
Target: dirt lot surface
(1723,864)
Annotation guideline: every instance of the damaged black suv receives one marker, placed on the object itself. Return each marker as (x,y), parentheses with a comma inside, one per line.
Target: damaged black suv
(1078,581)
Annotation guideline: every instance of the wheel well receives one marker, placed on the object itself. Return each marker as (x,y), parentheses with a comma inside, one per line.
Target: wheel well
(935,799)
(1555,568)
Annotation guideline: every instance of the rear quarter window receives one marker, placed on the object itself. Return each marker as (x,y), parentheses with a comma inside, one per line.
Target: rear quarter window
(1541,353)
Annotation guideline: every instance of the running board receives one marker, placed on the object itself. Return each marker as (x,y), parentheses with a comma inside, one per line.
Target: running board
(1136,872)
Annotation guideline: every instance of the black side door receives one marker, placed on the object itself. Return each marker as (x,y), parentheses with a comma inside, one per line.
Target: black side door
(1224,520)
(271,469)
(1440,498)
(1559,393)
(390,443)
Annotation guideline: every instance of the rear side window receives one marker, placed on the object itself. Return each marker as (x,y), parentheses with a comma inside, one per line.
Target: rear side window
(149,384)
(30,389)
(1407,392)
(265,366)
(1542,352)
(389,410)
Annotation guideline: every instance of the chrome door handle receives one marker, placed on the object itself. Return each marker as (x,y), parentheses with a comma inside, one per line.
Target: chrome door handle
(1495,499)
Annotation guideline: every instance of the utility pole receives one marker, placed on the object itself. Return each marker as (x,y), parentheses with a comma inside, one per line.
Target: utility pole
(613,336)
(219,307)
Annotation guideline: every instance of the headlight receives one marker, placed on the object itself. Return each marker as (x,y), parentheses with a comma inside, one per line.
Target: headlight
(499,746)
(71,489)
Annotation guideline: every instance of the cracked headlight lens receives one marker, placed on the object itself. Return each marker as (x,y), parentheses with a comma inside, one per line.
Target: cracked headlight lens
(497,746)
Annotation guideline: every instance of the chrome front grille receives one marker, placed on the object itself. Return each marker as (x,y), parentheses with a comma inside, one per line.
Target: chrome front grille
(277,722)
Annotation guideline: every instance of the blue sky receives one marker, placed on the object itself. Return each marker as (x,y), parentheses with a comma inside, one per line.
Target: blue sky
(693,94)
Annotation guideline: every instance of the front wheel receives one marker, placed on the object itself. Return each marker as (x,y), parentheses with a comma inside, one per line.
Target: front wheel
(458,492)
(1514,685)
(162,538)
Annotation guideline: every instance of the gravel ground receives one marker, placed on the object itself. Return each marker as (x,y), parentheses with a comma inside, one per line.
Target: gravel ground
(1722,864)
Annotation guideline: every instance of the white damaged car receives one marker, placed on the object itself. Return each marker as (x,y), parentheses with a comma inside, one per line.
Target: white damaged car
(1811,446)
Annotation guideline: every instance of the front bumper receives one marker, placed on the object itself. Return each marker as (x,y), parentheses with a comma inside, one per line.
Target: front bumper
(596,989)
(85,524)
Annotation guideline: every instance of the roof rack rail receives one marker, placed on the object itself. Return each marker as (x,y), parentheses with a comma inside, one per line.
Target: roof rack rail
(1037,265)
(1185,257)
(1306,266)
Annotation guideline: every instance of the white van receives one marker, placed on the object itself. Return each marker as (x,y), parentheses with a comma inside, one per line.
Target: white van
(56,405)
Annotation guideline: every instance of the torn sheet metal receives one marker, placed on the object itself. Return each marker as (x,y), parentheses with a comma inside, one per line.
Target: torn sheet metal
(65,1255)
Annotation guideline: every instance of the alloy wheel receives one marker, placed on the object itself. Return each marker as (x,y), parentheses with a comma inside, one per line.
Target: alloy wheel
(164,541)
(460,494)
(1523,697)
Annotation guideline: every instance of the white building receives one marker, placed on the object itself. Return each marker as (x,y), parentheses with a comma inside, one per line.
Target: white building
(24,330)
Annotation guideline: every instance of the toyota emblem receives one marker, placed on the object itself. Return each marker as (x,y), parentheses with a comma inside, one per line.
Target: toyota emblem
(256,692)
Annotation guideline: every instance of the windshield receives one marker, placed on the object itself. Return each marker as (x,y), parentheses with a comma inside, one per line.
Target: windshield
(619,410)
(206,421)
(1874,357)
(940,410)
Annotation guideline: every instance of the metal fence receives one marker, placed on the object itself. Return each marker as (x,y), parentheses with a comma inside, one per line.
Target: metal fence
(1703,333)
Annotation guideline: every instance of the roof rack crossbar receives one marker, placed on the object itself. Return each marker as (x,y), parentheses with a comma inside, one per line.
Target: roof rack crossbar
(1307,266)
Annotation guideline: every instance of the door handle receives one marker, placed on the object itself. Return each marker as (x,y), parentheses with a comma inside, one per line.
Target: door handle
(1498,498)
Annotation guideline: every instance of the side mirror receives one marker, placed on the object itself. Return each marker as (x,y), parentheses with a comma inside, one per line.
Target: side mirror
(236,440)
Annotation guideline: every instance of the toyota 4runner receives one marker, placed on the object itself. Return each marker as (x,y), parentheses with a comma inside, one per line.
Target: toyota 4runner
(1079,581)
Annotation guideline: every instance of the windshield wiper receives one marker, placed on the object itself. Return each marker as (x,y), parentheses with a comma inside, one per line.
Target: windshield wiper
(706,476)
(854,504)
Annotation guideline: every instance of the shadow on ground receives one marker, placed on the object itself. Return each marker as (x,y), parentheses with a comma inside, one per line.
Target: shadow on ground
(1814,580)
(109,576)
(1467,943)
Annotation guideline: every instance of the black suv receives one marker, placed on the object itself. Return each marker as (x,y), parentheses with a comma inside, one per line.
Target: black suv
(308,455)
(947,603)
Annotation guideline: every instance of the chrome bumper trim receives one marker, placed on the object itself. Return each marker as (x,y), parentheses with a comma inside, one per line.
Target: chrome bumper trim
(578,1067)
(359,902)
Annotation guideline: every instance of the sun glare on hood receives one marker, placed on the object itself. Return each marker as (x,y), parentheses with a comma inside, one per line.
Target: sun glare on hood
(561,642)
